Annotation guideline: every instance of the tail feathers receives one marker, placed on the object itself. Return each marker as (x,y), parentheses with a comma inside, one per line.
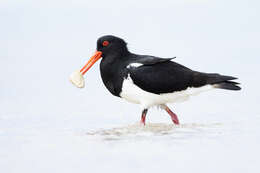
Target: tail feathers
(223,82)
(229,85)
(217,78)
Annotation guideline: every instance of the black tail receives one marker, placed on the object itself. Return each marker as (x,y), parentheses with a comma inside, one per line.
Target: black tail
(223,82)
(229,85)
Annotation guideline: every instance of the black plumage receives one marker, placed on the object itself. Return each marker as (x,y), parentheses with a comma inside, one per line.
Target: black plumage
(168,77)
(156,75)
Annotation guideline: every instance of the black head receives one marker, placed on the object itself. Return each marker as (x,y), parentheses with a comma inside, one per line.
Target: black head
(107,46)
(111,45)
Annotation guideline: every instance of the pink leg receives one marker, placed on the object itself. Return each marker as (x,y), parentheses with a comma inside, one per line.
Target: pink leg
(143,116)
(172,114)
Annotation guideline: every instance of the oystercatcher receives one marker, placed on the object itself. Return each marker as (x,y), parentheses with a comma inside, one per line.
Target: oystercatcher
(149,80)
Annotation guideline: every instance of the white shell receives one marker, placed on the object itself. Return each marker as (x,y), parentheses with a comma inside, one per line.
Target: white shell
(77,79)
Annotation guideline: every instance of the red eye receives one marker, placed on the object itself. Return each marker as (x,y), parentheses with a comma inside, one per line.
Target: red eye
(105,43)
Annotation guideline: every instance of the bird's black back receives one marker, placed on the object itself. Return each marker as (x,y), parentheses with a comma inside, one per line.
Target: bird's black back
(168,77)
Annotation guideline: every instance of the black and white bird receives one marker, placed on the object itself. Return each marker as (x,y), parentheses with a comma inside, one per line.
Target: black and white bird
(148,80)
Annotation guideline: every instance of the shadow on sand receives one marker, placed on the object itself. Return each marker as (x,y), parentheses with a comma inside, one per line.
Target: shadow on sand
(137,130)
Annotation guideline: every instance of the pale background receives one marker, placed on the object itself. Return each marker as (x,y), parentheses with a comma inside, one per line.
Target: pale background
(44,120)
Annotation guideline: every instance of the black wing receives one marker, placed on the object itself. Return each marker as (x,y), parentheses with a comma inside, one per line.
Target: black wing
(147,59)
(168,76)
(151,60)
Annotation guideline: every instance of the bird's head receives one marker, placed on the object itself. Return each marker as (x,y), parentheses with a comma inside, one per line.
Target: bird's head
(110,45)
(107,46)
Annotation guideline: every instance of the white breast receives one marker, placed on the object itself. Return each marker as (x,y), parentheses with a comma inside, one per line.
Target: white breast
(134,94)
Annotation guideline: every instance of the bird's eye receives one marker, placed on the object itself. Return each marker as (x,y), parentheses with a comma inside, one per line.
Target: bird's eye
(105,43)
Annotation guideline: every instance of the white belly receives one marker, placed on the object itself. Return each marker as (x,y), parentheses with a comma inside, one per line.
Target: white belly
(134,94)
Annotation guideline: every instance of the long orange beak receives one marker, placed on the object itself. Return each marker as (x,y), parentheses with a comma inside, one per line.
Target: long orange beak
(91,62)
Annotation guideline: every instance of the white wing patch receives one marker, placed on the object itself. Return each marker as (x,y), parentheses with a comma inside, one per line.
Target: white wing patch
(134,94)
(134,65)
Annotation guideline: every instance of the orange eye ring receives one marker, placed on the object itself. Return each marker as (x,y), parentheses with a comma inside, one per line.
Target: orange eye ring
(105,43)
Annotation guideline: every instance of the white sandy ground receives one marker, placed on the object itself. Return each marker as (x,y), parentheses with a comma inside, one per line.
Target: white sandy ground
(49,144)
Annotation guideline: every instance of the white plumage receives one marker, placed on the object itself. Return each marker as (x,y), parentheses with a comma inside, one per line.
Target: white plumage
(134,94)
(134,65)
